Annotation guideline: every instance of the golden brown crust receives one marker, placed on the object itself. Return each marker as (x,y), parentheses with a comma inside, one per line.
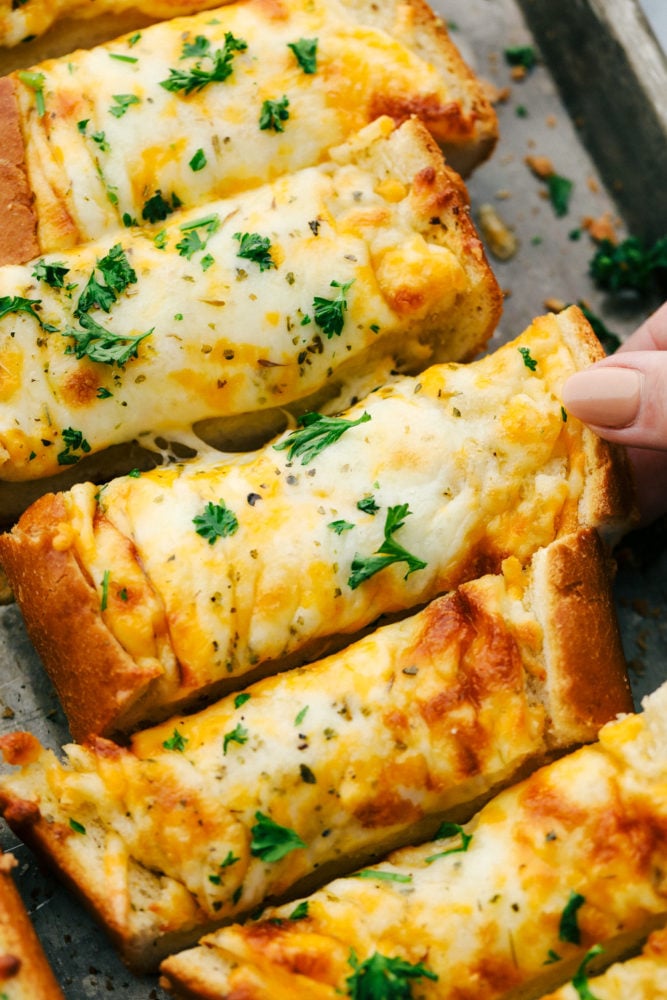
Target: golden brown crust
(587,680)
(23,965)
(59,602)
(18,233)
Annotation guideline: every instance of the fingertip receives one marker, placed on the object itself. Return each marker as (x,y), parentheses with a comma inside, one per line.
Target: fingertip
(605,396)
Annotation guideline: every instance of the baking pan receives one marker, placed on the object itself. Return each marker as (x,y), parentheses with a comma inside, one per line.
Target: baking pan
(593,105)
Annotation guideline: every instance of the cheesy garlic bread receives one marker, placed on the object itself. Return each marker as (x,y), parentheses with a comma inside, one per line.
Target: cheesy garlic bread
(366,263)
(326,767)
(191,110)
(643,977)
(505,908)
(24,971)
(186,581)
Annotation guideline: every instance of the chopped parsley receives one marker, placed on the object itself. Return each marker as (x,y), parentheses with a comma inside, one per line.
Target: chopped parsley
(305,51)
(35,81)
(300,716)
(257,248)
(273,114)
(192,241)
(157,208)
(133,39)
(52,274)
(528,361)
(389,552)
(176,742)
(381,977)
(195,50)
(340,526)
(100,139)
(230,859)
(629,265)
(580,978)
(121,58)
(217,521)
(270,841)
(368,505)
(104,393)
(198,161)
(450,830)
(382,876)
(17,304)
(300,911)
(94,341)
(316,432)
(237,735)
(560,189)
(241,699)
(115,275)
(105,590)
(521,55)
(74,441)
(200,76)
(121,103)
(568,928)
(329,313)
(307,775)
(76,826)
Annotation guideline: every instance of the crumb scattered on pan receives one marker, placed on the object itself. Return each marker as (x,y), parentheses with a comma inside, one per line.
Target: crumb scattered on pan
(499,238)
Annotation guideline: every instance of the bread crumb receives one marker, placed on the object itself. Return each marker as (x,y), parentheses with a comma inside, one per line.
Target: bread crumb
(497,235)
(554,305)
(495,94)
(541,166)
(602,228)
(518,73)
(551,121)
(503,194)
(593,184)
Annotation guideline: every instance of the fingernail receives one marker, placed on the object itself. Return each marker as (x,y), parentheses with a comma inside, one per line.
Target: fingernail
(606,396)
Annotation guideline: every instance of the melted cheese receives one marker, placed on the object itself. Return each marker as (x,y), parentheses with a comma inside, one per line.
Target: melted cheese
(474,467)
(98,176)
(227,335)
(352,753)
(572,857)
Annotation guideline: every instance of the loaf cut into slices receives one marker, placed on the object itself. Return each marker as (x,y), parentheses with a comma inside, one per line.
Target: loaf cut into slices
(25,973)
(194,109)
(643,977)
(362,265)
(506,907)
(191,579)
(327,767)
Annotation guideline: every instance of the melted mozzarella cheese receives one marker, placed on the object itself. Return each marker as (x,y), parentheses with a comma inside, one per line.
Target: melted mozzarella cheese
(225,334)
(95,160)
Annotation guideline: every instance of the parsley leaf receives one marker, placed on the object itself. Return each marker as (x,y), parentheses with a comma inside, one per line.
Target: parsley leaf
(305,51)
(629,265)
(35,81)
(102,345)
(568,929)
(368,505)
(560,189)
(193,50)
(270,841)
(382,876)
(383,978)
(157,208)
(254,247)
(329,313)
(195,79)
(176,742)
(192,242)
(51,274)
(450,830)
(273,114)
(528,360)
(198,161)
(340,526)
(237,735)
(580,978)
(122,103)
(389,552)
(74,441)
(76,826)
(217,521)
(316,433)
(241,699)
(229,859)
(521,55)
(117,274)
(300,911)
(16,304)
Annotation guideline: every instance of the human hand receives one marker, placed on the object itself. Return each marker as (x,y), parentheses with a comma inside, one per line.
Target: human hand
(623,398)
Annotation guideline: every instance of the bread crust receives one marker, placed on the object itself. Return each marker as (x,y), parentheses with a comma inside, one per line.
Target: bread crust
(18,234)
(459,116)
(24,969)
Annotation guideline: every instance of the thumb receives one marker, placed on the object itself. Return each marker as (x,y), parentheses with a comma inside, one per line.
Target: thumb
(623,398)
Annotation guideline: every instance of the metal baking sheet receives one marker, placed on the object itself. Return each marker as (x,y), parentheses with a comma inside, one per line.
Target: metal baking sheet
(549,266)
